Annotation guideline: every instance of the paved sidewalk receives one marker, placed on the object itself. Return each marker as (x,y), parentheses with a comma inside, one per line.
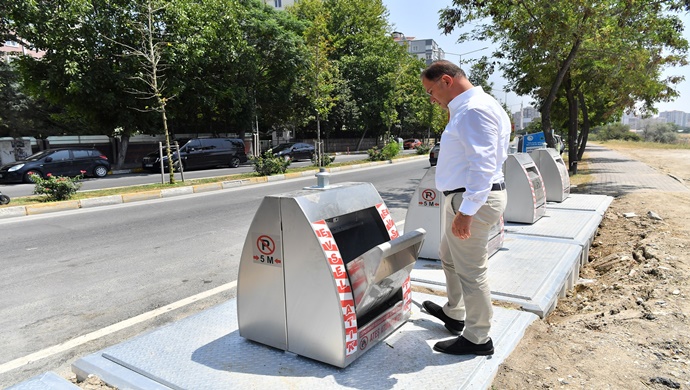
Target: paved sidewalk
(616,174)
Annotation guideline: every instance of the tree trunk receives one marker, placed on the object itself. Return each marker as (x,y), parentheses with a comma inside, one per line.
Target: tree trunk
(584,133)
(122,150)
(171,169)
(572,126)
(359,144)
(548,103)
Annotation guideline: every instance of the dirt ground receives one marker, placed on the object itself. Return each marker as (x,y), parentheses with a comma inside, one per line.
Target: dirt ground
(626,325)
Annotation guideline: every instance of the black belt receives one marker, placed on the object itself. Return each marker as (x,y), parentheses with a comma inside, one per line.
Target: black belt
(494,187)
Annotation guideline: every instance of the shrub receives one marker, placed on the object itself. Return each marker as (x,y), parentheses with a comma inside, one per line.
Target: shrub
(423,149)
(57,188)
(268,164)
(388,152)
(375,154)
(325,160)
(664,133)
(615,131)
(391,150)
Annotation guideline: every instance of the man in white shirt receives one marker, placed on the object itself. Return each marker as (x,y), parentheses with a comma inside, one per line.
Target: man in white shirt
(469,173)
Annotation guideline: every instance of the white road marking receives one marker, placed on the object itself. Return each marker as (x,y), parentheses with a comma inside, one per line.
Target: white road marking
(16,363)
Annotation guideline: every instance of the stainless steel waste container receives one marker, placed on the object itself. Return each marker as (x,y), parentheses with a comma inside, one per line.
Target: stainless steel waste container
(525,187)
(324,273)
(554,172)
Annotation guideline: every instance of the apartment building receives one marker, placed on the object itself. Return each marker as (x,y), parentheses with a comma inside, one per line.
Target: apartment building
(525,117)
(280,4)
(679,118)
(425,49)
(11,49)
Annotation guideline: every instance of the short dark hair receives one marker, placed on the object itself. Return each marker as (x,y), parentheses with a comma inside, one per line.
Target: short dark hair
(438,68)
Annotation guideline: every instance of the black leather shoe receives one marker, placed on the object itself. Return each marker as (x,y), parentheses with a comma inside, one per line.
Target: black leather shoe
(454,326)
(462,346)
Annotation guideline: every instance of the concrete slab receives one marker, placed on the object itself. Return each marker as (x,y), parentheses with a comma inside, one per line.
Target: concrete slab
(568,225)
(583,202)
(45,381)
(532,272)
(205,351)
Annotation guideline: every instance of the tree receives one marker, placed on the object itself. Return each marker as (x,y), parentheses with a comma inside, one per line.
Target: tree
(369,58)
(540,41)
(321,75)
(149,52)
(87,76)
(20,114)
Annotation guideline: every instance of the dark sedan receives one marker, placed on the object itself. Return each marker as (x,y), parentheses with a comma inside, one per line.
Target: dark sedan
(294,151)
(57,162)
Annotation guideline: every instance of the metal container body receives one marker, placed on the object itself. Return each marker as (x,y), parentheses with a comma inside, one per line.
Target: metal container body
(526,192)
(424,211)
(314,292)
(303,302)
(554,172)
(260,284)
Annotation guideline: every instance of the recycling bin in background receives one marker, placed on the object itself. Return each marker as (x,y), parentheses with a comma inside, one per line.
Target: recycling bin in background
(525,187)
(324,273)
(554,172)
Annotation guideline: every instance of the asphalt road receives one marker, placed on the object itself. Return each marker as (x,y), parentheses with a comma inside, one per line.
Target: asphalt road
(131,179)
(68,274)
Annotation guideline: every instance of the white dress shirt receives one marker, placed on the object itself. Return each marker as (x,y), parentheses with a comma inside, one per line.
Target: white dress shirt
(474,146)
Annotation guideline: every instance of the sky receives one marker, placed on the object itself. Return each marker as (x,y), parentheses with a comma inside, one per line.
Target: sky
(420,19)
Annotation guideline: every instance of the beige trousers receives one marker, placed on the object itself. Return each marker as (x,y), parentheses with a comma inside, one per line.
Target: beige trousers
(465,265)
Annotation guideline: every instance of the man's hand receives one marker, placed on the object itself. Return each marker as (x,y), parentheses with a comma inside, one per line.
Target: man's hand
(461,226)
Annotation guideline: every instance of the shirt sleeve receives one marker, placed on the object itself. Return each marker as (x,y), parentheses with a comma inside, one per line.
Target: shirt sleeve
(479,130)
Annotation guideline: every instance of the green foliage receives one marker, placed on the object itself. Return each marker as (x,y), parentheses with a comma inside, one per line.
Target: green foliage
(325,160)
(20,114)
(268,164)
(665,133)
(597,52)
(423,149)
(615,131)
(57,188)
(375,154)
(389,151)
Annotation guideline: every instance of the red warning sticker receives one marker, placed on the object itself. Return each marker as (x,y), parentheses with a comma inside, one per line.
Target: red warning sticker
(387,219)
(342,283)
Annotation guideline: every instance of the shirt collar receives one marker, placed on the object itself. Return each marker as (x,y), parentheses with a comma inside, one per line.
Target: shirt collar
(459,100)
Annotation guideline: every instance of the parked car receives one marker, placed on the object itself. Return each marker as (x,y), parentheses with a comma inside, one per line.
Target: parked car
(433,154)
(201,153)
(57,162)
(294,151)
(411,143)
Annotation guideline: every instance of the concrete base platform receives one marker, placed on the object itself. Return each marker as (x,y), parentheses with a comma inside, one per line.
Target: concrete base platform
(205,351)
(532,272)
(583,202)
(568,225)
(45,381)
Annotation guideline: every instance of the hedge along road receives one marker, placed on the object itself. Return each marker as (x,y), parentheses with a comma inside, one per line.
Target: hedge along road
(69,274)
(142,178)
